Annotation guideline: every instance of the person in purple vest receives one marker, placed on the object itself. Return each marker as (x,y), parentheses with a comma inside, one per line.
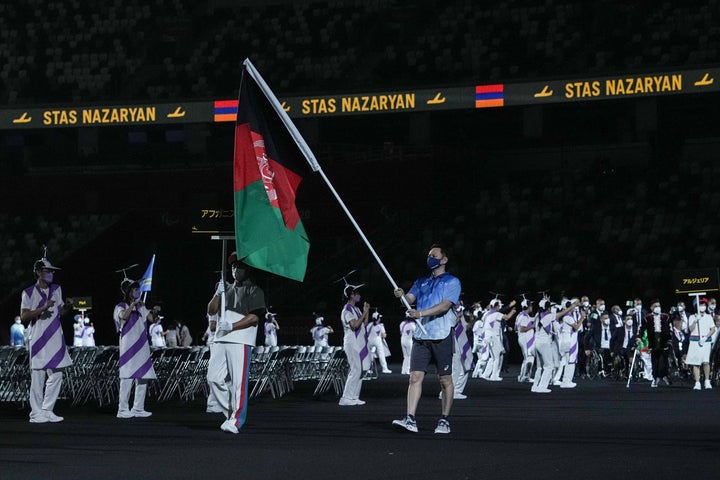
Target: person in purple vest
(354,323)
(42,304)
(135,362)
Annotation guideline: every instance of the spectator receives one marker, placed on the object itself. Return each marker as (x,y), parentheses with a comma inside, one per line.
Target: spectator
(17,333)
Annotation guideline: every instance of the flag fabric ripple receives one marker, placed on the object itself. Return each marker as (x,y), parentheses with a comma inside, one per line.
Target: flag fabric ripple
(268,169)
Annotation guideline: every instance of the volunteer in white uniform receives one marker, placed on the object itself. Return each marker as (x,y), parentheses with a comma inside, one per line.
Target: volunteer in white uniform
(157,335)
(493,338)
(271,329)
(88,334)
(407,329)
(235,337)
(568,345)
(480,348)
(543,344)
(41,304)
(77,331)
(376,338)
(136,367)
(354,323)
(525,326)
(462,355)
(320,333)
(702,328)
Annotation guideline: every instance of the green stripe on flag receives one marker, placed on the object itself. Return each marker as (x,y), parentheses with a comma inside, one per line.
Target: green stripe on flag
(262,239)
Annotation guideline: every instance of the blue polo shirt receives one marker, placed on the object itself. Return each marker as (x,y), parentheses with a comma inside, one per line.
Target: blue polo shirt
(429,292)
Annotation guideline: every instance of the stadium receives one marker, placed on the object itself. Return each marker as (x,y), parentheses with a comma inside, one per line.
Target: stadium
(593,190)
(555,146)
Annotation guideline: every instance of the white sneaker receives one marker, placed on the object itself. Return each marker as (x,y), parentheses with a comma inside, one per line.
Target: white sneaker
(229,426)
(556,383)
(494,379)
(407,424)
(568,385)
(654,383)
(697,386)
(51,417)
(708,385)
(443,426)
(540,390)
(140,413)
(347,402)
(39,418)
(124,414)
(387,371)
(459,396)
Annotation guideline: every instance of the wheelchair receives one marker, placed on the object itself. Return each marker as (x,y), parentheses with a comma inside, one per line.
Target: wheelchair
(621,366)
(676,369)
(594,366)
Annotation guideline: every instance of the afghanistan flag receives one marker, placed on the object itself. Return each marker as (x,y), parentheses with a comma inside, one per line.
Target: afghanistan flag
(268,168)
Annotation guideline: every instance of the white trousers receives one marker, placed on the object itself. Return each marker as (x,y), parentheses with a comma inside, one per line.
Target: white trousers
(545,364)
(380,353)
(212,402)
(566,370)
(459,375)
(229,376)
(647,360)
(353,384)
(45,385)
(483,356)
(406,344)
(140,393)
(496,357)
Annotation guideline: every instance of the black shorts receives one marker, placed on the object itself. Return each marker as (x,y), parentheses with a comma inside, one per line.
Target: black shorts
(438,352)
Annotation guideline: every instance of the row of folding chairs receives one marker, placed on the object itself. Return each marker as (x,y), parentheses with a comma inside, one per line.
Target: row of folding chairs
(181,372)
(310,362)
(14,374)
(271,370)
(334,374)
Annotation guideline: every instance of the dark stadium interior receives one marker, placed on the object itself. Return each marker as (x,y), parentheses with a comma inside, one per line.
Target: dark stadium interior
(600,198)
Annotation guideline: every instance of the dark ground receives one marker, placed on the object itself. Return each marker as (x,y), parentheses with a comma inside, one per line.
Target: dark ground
(598,430)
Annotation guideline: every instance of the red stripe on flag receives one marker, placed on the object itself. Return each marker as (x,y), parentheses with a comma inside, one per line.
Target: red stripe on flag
(253,164)
(498,87)
(226,103)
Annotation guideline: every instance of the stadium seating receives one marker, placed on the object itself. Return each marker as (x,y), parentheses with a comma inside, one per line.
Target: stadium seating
(62,51)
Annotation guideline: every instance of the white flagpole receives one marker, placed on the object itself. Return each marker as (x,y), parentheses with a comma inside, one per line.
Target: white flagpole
(299,140)
(310,157)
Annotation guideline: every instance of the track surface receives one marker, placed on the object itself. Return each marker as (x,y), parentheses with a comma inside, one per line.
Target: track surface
(598,430)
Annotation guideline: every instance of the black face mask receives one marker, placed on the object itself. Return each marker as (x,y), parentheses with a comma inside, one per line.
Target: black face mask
(239,274)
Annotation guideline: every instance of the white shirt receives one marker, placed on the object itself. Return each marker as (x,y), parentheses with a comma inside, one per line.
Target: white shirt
(605,337)
(156,336)
(493,324)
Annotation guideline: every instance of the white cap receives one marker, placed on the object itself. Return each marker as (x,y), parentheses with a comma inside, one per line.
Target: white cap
(44,263)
